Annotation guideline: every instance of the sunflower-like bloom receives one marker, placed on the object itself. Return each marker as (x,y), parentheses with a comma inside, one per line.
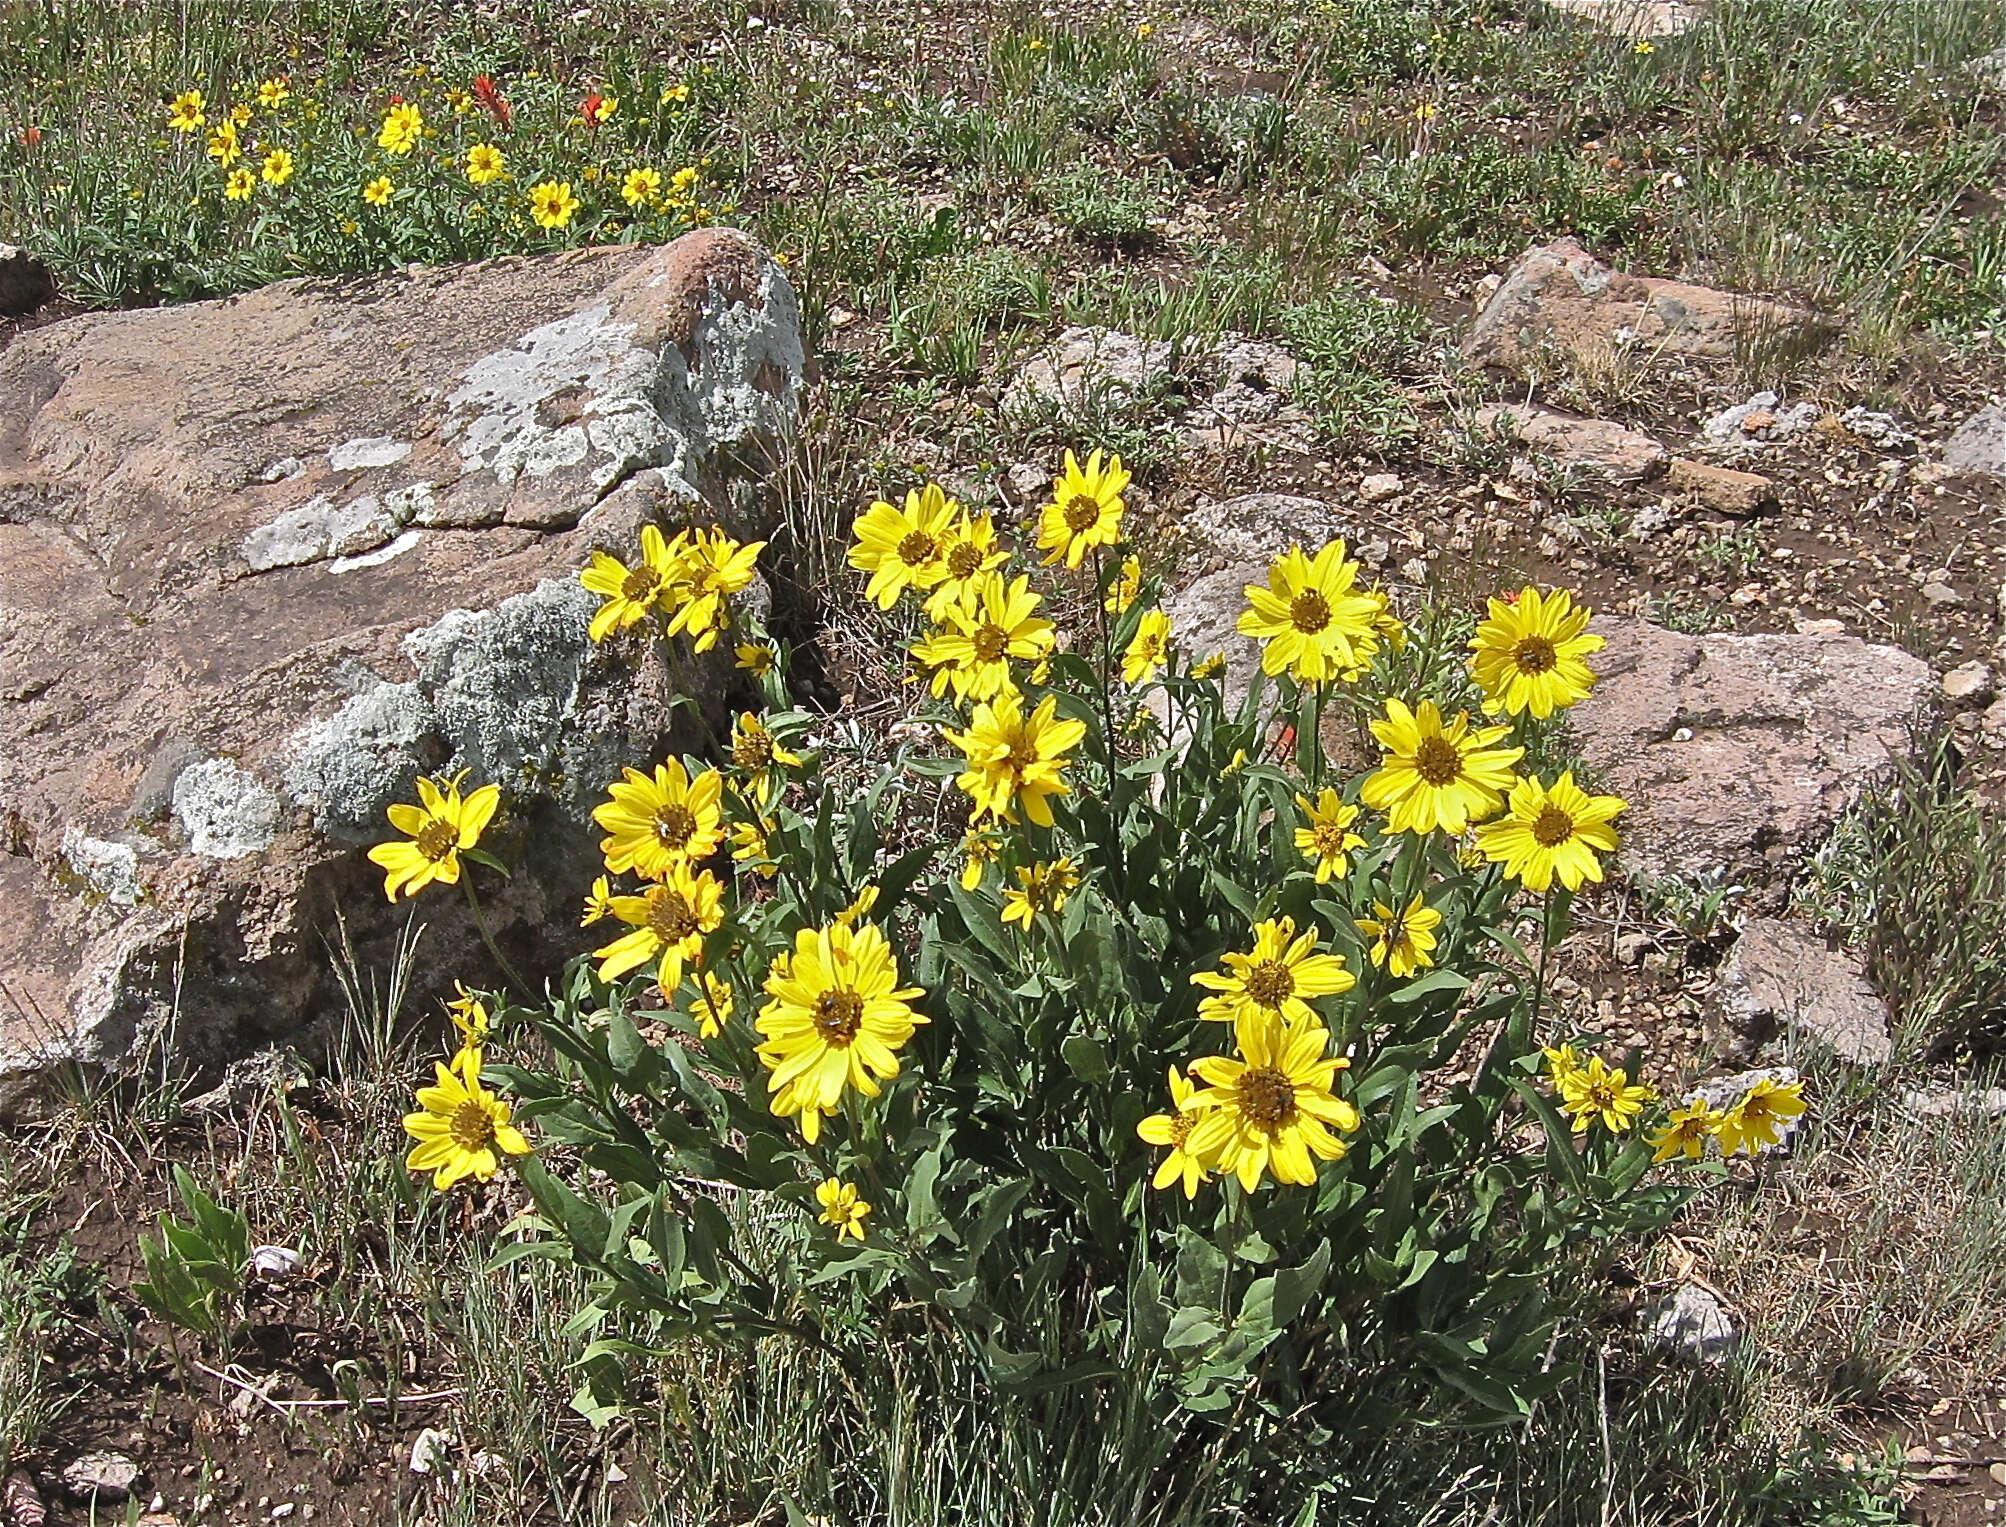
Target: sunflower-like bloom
(461,1128)
(1173,1129)
(669,921)
(239,185)
(1759,1118)
(712,1004)
(841,1208)
(629,592)
(378,192)
(978,852)
(403,125)
(991,623)
(1686,1133)
(1085,509)
(1436,774)
(470,1017)
(436,830)
(277,167)
(904,548)
(1311,622)
(1551,833)
(757,752)
(1124,587)
(552,205)
(656,823)
(598,903)
(1600,1091)
(756,658)
(1561,1061)
(1528,654)
(1015,761)
(837,1020)
(1041,888)
(1403,941)
(641,185)
(1149,650)
(1328,840)
(274,92)
(1277,980)
(485,164)
(1273,1108)
(968,550)
(748,847)
(225,147)
(187,112)
(710,567)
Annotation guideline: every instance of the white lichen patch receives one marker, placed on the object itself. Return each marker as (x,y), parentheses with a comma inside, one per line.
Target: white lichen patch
(225,810)
(322,528)
(108,870)
(373,451)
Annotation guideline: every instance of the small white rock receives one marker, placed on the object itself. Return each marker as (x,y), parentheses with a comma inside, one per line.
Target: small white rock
(1693,1324)
(1379,487)
(431,1449)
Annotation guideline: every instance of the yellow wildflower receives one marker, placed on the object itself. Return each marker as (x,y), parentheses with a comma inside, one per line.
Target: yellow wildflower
(1308,618)
(669,921)
(1328,840)
(461,1128)
(239,184)
(187,112)
(1528,655)
(1437,775)
(1040,889)
(1016,761)
(660,822)
(1273,1108)
(1085,509)
(377,192)
(1759,1118)
(437,830)
(1173,1129)
(1599,1091)
(485,164)
(841,1208)
(1548,834)
(551,204)
(903,548)
(403,124)
(1404,941)
(640,185)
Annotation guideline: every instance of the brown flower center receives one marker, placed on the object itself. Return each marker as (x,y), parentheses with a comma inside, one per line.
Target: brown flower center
(752,750)
(1438,761)
(473,1126)
(1553,827)
(989,642)
(1023,753)
(917,548)
(839,1013)
(1329,841)
(1180,1129)
(1266,1097)
(1602,1095)
(1270,983)
(1082,513)
(1309,612)
(675,825)
(642,583)
(437,839)
(1534,654)
(670,916)
(964,560)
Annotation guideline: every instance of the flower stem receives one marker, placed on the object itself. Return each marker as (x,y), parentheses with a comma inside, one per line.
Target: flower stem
(487,937)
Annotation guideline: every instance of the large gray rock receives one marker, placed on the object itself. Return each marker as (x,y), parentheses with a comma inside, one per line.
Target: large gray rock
(1086,366)
(1737,753)
(1781,978)
(264,560)
(1977,447)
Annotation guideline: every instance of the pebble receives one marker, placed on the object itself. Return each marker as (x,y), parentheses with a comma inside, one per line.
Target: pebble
(1693,1324)
(1968,684)
(102,1477)
(1942,595)
(1379,487)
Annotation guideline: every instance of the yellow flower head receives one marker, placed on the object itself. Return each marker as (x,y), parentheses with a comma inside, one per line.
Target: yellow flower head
(598,903)
(1311,622)
(675,95)
(669,922)
(640,185)
(1016,761)
(630,592)
(756,752)
(225,147)
(968,551)
(1759,1118)
(1403,942)
(241,113)
(1599,1091)
(1551,833)
(239,184)
(1173,1129)
(403,125)
(841,1208)
(377,192)
(470,1017)
(485,164)
(1436,774)
(756,658)
(1085,509)
(860,907)
(1328,840)
(462,1129)
(836,1021)
(274,92)
(277,168)
(551,204)
(711,1005)
(710,568)
(1686,1133)
(1274,1107)
(1124,587)
(1209,667)
(1276,980)
(978,851)
(1527,655)
(188,112)
(1561,1060)
(1042,888)
(436,830)
(656,824)
(993,622)
(904,548)
(1149,650)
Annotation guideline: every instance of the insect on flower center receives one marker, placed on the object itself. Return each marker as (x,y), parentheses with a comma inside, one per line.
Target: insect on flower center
(473,1126)
(917,548)
(1082,512)
(1267,1098)
(839,1013)
(1270,983)
(965,560)
(1438,761)
(752,750)
(1552,828)
(675,824)
(989,642)
(640,583)
(1309,612)
(437,839)
(670,917)
(1534,655)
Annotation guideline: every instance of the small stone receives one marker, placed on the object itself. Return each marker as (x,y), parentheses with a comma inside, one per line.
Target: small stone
(274,1263)
(1998,1473)
(1879,430)
(1942,595)
(1632,947)
(282,1510)
(1992,725)
(1692,1324)
(1601,446)
(105,1478)
(1379,487)
(1650,520)
(431,1449)
(1968,686)
(1761,421)
(1977,448)
(1375,553)
(1719,488)
(1415,569)
(1955,1103)
(1781,978)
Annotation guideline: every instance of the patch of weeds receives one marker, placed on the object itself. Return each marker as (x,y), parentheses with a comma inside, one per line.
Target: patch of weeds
(1701,907)
(1354,349)
(1234,135)
(1116,211)
(1915,875)
(1688,614)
